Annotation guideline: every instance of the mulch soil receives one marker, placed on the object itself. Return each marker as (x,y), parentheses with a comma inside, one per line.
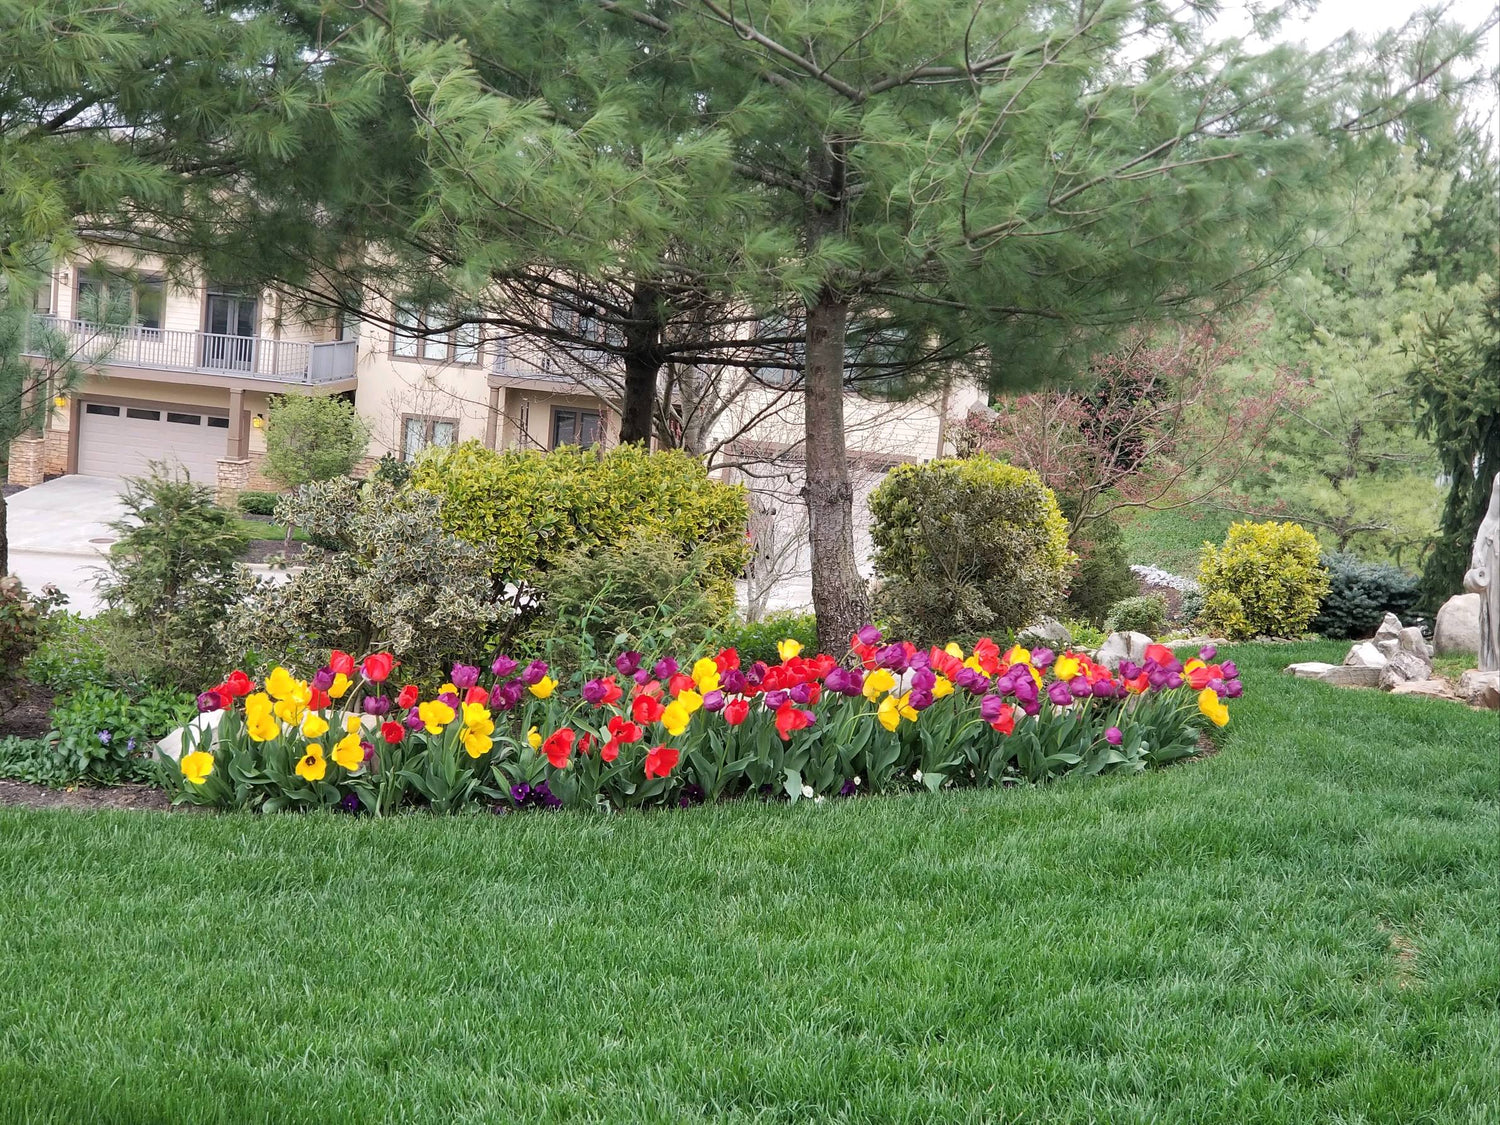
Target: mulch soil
(24,795)
(25,711)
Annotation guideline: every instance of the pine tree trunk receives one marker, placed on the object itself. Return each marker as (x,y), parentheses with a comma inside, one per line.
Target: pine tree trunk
(4,536)
(643,360)
(840,598)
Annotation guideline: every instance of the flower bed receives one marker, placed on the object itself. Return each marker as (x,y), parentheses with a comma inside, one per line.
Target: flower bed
(657,733)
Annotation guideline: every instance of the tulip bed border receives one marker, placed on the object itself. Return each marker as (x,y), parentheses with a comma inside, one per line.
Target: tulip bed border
(888,717)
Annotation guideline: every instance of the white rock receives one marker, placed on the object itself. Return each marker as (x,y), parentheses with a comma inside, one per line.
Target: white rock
(1366,655)
(1414,642)
(171,745)
(1480,689)
(1404,667)
(1457,629)
(1311,669)
(1118,647)
(1427,689)
(1048,631)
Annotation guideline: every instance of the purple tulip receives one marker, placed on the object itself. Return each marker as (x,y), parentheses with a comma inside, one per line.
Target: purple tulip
(464,676)
(1080,688)
(1207,653)
(800,693)
(505,697)
(919,699)
(665,668)
(1026,691)
(919,661)
(893,657)
(775,699)
(1229,670)
(1032,708)
(503,666)
(322,679)
(628,663)
(1041,657)
(1059,694)
(868,635)
(594,692)
(1174,666)
(450,698)
(756,673)
(924,680)
(1114,736)
(413,720)
(989,708)
(209,701)
(534,672)
(1128,670)
(1233,689)
(1157,678)
(1217,687)
(1174,681)
(734,682)
(713,701)
(376,705)
(642,676)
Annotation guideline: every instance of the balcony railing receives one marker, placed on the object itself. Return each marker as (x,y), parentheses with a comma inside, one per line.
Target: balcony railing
(160,349)
(520,358)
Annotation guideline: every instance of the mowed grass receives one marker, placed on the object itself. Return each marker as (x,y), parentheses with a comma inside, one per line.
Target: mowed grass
(1173,539)
(1304,927)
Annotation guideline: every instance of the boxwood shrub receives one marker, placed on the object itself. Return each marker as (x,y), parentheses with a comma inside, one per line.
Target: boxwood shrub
(965,546)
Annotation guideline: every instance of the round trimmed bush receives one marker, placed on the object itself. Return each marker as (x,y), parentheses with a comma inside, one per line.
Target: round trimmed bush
(1265,580)
(1146,613)
(965,546)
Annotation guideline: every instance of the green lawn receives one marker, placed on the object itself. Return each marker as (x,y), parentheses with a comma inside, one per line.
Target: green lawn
(1303,928)
(260,529)
(1173,539)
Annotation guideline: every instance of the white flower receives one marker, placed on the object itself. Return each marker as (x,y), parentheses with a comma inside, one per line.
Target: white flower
(857,781)
(807,791)
(819,800)
(917,776)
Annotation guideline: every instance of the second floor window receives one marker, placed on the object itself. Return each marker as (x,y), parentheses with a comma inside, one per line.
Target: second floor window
(414,337)
(109,297)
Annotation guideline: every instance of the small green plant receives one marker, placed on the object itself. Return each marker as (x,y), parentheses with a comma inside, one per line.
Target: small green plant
(640,594)
(1265,580)
(257,503)
(73,653)
(966,546)
(757,640)
(1146,613)
(23,624)
(1360,594)
(1191,610)
(1086,636)
(106,734)
(1103,575)
(392,470)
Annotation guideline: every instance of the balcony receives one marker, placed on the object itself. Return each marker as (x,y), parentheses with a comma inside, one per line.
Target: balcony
(203,353)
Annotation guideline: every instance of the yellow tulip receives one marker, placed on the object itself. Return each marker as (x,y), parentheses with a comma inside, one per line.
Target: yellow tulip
(877,682)
(690,699)
(197,766)
(289,710)
(1018,655)
(475,743)
(314,726)
(477,719)
(706,675)
(339,686)
(259,723)
(1211,706)
(787,649)
(953,650)
(543,687)
(534,738)
(974,664)
(281,683)
(447,689)
(675,717)
(943,686)
(352,723)
(908,712)
(1192,666)
(349,753)
(435,714)
(889,713)
(1066,667)
(311,766)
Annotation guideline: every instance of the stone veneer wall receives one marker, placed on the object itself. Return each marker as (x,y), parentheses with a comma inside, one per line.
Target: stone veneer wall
(57,452)
(26,463)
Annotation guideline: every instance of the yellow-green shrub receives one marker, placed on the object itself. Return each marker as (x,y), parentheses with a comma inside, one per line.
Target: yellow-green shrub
(1266,580)
(533,510)
(965,546)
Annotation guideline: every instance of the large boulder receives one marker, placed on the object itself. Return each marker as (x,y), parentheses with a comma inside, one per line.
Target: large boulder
(1457,629)
(1388,636)
(1366,654)
(1119,647)
(1403,668)
(1048,631)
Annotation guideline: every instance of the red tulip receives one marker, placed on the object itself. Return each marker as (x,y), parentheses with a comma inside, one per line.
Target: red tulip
(558,746)
(477,694)
(726,659)
(238,684)
(339,661)
(789,718)
(660,761)
(392,731)
(736,711)
(408,697)
(623,730)
(646,709)
(377,667)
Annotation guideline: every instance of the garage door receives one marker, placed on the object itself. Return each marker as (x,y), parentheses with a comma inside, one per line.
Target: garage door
(122,440)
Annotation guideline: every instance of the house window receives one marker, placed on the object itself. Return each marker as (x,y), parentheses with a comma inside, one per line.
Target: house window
(575,427)
(108,297)
(413,338)
(418,432)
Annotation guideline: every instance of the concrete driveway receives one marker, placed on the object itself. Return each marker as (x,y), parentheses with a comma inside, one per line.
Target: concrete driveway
(58,531)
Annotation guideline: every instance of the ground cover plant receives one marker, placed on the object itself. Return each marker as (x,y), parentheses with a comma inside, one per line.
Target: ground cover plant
(656,732)
(1298,928)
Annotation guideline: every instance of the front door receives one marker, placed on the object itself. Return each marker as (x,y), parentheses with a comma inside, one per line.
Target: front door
(229,342)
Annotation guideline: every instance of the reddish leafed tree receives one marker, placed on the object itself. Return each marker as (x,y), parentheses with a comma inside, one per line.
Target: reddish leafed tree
(1164,422)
